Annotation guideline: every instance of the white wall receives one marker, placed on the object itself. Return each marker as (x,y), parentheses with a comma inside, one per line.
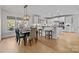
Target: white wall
(5,31)
(0,23)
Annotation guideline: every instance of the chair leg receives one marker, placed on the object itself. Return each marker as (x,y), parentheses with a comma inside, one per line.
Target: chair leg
(19,41)
(36,40)
(16,40)
(30,42)
(24,42)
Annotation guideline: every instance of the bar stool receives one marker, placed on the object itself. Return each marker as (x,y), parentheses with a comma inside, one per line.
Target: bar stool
(48,33)
(40,32)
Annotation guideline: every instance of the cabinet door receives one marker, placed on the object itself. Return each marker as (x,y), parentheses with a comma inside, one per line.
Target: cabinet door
(75,24)
(68,24)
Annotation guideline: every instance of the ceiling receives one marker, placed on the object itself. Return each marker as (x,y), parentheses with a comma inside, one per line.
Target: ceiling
(41,9)
(14,8)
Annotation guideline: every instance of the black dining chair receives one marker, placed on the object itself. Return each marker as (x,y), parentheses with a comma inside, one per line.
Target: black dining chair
(19,36)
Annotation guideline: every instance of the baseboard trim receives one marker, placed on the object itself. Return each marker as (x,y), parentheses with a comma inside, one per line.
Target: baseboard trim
(7,37)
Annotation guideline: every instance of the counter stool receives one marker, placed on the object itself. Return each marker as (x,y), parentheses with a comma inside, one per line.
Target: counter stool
(48,33)
(40,32)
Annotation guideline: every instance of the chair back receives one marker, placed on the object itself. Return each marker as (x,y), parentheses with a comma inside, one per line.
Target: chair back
(33,33)
(17,32)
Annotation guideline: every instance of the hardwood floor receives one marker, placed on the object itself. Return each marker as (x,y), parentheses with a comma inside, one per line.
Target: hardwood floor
(10,45)
(66,42)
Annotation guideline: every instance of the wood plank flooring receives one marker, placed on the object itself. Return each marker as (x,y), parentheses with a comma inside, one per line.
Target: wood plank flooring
(44,45)
(10,45)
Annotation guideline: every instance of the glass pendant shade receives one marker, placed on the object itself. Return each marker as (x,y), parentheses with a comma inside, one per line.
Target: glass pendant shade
(26,17)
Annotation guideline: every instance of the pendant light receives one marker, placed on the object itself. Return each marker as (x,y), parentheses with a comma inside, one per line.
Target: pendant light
(26,17)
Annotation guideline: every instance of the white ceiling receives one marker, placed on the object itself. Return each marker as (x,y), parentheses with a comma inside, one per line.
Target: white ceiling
(41,9)
(14,8)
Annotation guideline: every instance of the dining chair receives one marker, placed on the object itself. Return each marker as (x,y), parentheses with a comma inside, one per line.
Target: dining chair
(33,35)
(18,36)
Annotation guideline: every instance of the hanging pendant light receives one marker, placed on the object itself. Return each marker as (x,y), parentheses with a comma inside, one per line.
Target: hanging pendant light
(26,17)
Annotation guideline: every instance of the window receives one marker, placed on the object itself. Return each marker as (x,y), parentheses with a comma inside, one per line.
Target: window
(11,23)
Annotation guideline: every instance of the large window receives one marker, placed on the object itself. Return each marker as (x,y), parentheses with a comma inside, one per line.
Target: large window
(11,23)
